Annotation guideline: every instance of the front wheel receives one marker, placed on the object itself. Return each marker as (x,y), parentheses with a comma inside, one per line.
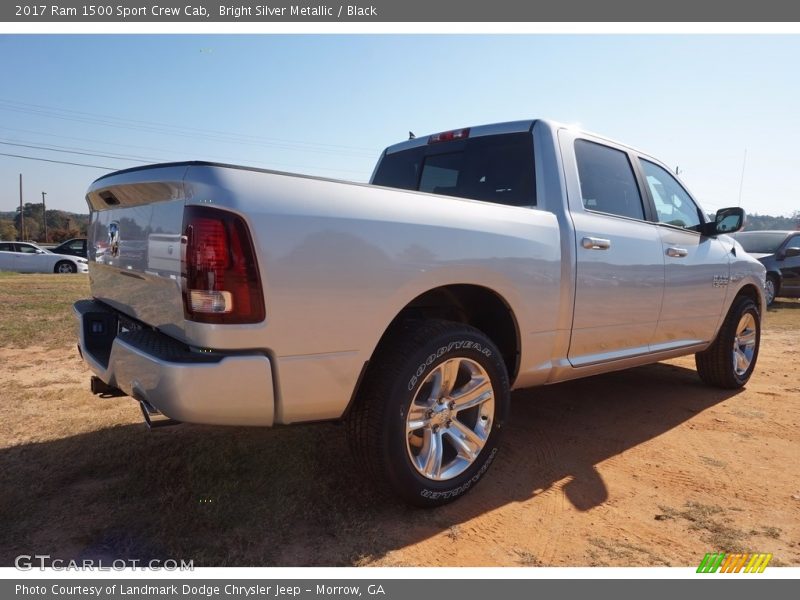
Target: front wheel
(65,267)
(730,360)
(427,421)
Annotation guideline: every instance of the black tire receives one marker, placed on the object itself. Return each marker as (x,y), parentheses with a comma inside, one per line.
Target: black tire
(404,372)
(64,266)
(717,365)
(771,289)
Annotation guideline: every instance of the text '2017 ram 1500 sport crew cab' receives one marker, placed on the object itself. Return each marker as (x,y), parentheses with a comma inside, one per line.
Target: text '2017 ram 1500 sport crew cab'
(477,261)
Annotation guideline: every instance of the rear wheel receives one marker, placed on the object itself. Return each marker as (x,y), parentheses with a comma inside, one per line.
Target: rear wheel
(427,420)
(65,266)
(770,289)
(730,360)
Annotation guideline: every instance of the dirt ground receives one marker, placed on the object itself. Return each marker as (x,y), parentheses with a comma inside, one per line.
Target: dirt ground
(646,467)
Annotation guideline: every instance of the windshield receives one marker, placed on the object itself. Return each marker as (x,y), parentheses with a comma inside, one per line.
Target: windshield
(761,242)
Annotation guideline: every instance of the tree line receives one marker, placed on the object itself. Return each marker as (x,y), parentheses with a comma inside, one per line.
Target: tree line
(758,222)
(61,225)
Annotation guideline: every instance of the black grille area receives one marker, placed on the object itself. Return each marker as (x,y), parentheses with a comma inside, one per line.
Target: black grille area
(166,348)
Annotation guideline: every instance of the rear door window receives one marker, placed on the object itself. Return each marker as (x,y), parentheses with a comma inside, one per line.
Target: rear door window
(492,168)
(608,184)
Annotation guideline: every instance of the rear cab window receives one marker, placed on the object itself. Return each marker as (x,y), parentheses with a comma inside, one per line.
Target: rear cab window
(492,168)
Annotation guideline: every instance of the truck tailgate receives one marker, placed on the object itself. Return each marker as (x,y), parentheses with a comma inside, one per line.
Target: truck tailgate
(135,244)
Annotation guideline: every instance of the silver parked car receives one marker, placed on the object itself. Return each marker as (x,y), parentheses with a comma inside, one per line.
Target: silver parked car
(26,257)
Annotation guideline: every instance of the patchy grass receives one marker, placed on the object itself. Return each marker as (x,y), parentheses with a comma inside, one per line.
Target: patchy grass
(708,519)
(36,310)
(713,462)
(768,531)
(527,559)
(607,551)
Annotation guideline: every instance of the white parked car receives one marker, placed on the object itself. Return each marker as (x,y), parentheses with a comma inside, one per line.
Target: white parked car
(25,257)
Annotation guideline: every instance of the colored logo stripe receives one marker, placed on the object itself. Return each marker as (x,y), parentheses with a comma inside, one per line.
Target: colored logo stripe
(734,563)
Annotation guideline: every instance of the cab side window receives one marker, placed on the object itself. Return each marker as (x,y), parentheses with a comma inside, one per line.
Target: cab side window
(26,248)
(607,181)
(674,206)
(6,247)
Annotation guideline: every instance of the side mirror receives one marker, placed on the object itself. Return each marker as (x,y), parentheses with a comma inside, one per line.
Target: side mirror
(727,220)
(791,252)
(40,252)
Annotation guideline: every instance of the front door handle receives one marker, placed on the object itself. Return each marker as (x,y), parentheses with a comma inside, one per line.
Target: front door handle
(593,243)
(677,252)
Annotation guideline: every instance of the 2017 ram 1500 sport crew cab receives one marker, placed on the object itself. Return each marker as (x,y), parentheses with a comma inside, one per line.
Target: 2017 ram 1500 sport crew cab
(477,261)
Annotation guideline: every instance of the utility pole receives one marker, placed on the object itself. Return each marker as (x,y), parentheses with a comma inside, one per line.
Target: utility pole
(44,217)
(21,213)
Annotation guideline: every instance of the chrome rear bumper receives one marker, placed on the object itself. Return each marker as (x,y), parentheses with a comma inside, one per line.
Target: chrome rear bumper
(184,385)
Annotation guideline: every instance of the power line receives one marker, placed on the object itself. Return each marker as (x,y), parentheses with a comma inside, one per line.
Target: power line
(61,162)
(68,151)
(145,159)
(172,130)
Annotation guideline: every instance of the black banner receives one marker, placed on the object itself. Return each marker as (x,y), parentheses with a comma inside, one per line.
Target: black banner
(387,589)
(203,11)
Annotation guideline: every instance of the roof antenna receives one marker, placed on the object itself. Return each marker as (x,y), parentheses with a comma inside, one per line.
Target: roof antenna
(741,180)
(411,135)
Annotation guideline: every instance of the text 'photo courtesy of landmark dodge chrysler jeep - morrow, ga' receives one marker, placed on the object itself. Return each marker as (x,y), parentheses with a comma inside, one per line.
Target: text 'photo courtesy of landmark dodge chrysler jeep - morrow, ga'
(475,262)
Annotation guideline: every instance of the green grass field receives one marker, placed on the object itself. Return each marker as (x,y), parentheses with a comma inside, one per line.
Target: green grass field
(36,310)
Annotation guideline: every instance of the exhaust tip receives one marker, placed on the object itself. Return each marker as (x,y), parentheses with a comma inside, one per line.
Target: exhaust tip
(152,416)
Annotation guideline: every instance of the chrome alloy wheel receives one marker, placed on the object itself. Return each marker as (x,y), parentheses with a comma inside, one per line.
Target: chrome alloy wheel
(744,344)
(769,290)
(450,419)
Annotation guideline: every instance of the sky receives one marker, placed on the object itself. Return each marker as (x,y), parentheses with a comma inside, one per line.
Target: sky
(723,109)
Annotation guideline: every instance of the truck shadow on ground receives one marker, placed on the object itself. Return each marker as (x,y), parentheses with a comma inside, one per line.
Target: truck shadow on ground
(292,496)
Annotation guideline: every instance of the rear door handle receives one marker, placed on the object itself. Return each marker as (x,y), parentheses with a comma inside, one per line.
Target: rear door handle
(677,252)
(593,243)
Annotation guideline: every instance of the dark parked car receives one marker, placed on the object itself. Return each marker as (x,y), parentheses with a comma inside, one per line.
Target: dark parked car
(779,251)
(73,247)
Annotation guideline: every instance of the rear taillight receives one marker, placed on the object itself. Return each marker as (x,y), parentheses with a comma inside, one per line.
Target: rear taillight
(220,274)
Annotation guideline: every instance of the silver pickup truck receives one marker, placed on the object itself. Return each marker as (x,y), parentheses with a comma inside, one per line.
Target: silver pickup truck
(476,261)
